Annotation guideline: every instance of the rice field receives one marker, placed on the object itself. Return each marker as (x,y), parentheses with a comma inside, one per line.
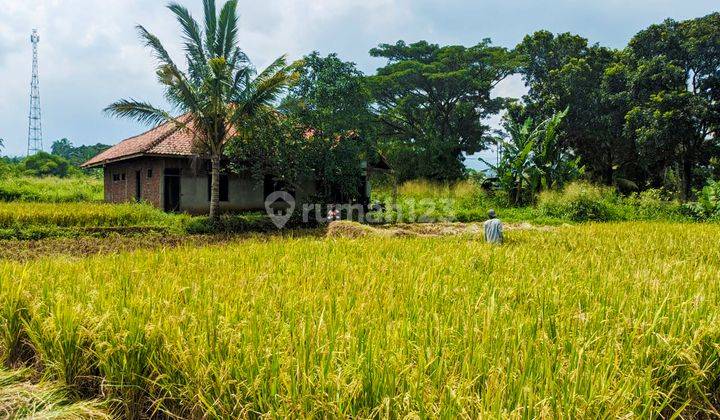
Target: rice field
(64,215)
(597,320)
(51,189)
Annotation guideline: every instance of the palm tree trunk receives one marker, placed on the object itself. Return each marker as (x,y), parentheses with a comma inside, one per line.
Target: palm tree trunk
(215,188)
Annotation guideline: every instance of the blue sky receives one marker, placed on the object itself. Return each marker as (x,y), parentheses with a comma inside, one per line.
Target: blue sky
(90,55)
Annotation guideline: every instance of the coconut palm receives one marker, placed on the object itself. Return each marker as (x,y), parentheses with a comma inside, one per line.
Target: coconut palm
(219,96)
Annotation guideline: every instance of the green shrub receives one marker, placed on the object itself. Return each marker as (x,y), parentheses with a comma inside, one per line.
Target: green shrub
(45,164)
(579,202)
(652,204)
(230,224)
(707,206)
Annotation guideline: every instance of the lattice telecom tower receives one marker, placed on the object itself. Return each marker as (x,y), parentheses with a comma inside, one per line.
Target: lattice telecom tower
(34,120)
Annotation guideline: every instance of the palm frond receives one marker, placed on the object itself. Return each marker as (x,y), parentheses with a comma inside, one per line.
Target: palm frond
(242,80)
(262,93)
(279,64)
(142,112)
(210,25)
(227,29)
(157,47)
(239,59)
(193,43)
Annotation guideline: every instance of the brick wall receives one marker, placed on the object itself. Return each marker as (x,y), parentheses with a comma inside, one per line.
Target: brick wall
(120,181)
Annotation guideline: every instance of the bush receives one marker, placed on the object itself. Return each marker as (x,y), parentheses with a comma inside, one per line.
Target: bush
(707,207)
(45,164)
(652,204)
(230,224)
(579,202)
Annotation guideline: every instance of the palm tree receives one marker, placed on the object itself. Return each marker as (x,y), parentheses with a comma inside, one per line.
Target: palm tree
(220,96)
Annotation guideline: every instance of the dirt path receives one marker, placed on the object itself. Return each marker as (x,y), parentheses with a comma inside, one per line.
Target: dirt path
(86,246)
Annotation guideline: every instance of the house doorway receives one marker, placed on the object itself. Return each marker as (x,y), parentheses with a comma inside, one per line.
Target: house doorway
(138,187)
(172,190)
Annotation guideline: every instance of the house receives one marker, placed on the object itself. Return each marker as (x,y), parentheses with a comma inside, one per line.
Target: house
(161,168)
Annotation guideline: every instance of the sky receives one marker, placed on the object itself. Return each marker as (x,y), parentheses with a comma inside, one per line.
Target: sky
(90,55)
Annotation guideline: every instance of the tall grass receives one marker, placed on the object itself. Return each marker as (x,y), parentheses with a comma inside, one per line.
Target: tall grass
(22,398)
(581,201)
(466,201)
(20,220)
(614,320)
(80,215)
(51,190)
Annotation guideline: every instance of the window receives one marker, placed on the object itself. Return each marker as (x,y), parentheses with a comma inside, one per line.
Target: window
(122,177)
(116,177)
(224,187)
(149,173)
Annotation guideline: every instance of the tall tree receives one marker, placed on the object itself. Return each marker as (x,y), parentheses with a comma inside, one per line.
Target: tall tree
(330,96)
(675,87)
(431,102)
(77,155)
(220,96)
(564,71)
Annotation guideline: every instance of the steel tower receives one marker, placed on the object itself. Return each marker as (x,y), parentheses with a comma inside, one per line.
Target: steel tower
(34,120)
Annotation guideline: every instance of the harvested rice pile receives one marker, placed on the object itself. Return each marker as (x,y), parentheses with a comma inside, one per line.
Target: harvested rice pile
(346,229)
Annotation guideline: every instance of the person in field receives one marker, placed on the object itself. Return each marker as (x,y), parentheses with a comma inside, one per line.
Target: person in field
(493,229)
(333,213)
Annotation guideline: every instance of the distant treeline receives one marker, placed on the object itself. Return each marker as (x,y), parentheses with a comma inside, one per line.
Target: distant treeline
(645,116)
(64,160)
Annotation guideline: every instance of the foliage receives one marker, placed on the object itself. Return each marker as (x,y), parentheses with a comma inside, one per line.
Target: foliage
(290,155)
(76,155)
(622,333)
(44,164)
(675,89)
(330,96)
(564,71)
(220,96)
(431,101)
(579,202)
(582,202)
(533,159)
(707,205)
(51,190)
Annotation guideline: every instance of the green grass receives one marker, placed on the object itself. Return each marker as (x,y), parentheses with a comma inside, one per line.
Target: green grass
(51,190)
(589,321)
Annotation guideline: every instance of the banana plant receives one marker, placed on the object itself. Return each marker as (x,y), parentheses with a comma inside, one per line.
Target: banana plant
(533,158)
(556,164)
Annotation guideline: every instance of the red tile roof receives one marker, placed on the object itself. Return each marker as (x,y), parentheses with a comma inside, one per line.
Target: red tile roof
(164,140)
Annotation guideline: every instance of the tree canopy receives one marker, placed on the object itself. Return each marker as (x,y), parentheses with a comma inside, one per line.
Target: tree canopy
(431,102)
